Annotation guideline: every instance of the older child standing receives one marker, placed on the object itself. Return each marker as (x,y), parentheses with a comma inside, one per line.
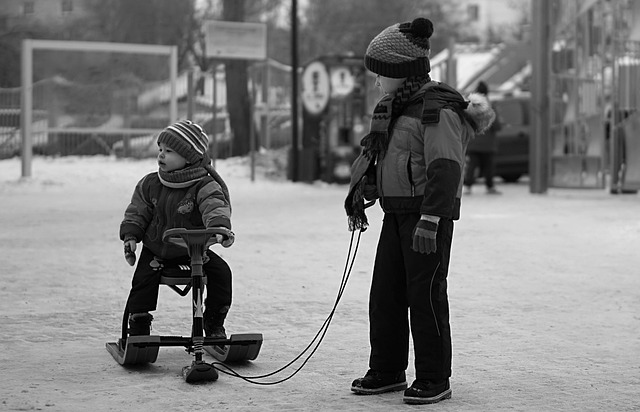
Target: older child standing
(185,192)
(412,161)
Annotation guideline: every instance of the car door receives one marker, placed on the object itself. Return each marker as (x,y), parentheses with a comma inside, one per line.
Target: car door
(512,159)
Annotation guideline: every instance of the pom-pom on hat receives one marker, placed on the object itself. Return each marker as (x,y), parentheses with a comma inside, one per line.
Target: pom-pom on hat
(401,50)
(482,88)
(187,139)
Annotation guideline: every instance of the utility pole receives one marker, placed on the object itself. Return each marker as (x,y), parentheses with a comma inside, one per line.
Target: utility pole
(294,91)
(539,142)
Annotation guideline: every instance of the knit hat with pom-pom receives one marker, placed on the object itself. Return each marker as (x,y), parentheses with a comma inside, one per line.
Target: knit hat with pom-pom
(401,50)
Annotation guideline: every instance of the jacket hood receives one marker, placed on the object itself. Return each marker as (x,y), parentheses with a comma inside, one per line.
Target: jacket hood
(475,109)
(479,110)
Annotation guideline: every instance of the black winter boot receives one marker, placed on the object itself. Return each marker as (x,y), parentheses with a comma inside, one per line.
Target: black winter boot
(375,382)
(140,323)
(214,323)
(423,391)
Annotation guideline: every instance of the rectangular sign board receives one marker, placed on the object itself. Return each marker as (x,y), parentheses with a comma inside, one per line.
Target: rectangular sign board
(235,40)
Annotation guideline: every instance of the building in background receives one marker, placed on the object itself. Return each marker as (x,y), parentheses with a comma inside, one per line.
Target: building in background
(492,45)
(494,21)
(54,14)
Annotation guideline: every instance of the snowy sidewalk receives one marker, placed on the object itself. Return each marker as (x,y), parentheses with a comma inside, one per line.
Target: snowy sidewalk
(544,293)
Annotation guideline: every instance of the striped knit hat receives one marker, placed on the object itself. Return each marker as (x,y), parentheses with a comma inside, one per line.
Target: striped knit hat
(401,50)
(187,139)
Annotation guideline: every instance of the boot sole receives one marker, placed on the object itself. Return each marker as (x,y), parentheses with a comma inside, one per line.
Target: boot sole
(417,400)
(389,388)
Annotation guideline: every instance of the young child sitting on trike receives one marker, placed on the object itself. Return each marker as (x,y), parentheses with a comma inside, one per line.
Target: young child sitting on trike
(185,192)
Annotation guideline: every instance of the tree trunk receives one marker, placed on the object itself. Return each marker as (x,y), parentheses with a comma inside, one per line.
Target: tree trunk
(238,105)
(237,81)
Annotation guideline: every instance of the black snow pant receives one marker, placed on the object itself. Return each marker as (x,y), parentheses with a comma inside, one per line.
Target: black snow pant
(409,289)
(143,296)
(483,160)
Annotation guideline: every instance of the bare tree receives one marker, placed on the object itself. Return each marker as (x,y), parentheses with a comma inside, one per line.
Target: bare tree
(338,26)
(146,21)
(237,82)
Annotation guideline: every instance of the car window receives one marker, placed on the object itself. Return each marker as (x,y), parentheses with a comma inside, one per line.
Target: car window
(510,113)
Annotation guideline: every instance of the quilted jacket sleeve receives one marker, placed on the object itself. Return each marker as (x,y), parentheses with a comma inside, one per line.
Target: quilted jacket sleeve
(138,214)
(444,155)
(214,207)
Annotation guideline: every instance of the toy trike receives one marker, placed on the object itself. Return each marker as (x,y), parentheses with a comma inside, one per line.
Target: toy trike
(131,350)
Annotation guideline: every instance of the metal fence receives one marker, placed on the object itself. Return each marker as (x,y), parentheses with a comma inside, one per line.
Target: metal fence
(48,140)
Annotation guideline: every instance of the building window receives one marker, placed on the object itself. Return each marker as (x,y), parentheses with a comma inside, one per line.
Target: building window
(473,12)
(28,7)
(67,6)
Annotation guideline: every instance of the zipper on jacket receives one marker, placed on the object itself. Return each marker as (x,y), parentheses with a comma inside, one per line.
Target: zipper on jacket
(410,176)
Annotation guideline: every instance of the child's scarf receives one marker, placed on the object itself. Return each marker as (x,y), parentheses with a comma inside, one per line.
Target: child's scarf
(193,173)
(375,145)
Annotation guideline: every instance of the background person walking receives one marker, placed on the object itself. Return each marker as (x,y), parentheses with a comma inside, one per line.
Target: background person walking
(481,153)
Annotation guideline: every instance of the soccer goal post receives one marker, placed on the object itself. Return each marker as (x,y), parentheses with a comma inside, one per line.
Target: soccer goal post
(27,70)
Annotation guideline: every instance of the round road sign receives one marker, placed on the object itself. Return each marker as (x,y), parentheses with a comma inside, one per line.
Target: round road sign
(316,89)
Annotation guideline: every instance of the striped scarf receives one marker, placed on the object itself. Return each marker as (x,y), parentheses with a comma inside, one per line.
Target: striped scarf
(184,177)
(388,108)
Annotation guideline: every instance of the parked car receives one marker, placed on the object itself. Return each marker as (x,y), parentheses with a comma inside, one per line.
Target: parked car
(512,159)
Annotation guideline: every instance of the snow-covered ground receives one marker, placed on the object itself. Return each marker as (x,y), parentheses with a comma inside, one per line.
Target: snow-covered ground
(544,292)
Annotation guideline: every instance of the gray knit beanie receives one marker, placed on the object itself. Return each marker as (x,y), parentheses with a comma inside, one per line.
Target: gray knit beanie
(401,50)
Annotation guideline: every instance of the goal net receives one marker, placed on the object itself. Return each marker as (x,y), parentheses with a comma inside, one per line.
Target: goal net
(84,98)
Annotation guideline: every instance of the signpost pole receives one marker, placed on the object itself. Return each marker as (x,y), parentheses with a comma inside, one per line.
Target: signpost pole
(214,128)
(294,90)
(252,127)
(538,145)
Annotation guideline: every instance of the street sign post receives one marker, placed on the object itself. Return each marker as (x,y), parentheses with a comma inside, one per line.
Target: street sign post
(242,41)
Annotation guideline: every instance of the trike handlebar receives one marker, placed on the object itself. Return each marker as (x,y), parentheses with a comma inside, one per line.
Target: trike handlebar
(185,237)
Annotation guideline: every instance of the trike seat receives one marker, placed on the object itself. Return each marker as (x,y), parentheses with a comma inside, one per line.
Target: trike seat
(179,275)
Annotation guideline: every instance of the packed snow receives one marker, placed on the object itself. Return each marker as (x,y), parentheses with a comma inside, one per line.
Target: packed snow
(544,295)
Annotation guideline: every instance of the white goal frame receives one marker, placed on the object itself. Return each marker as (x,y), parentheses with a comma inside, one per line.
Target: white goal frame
(26,103)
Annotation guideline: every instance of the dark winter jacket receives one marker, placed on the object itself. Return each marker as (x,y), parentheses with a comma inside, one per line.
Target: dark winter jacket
(154,208)
(486,142)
